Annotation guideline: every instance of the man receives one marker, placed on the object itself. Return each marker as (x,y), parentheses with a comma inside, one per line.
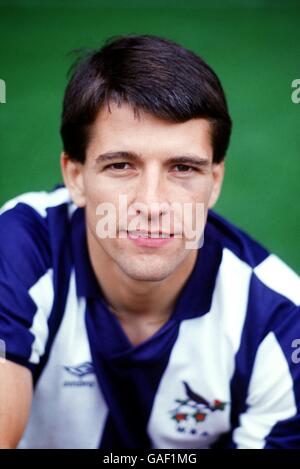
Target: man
(119,334)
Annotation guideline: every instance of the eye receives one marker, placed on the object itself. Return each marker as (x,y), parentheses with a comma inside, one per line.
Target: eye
(117,166)
(183,168)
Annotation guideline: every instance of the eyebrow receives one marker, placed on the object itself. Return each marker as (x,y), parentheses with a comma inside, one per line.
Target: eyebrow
(193,160)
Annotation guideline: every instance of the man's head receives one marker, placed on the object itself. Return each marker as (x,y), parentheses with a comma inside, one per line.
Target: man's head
(146,119)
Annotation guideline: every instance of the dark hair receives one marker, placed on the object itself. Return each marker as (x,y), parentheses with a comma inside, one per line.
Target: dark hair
(150,74)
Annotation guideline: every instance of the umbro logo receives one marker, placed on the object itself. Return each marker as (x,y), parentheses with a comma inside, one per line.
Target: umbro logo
(80,372)
(84,369)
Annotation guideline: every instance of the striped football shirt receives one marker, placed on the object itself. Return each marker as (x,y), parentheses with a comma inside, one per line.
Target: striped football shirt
(223,371)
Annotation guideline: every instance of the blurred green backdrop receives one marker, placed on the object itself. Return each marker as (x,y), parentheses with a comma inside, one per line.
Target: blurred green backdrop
(254,46)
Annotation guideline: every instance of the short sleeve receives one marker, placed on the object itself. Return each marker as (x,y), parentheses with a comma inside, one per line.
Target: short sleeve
(26,285)
(271,415)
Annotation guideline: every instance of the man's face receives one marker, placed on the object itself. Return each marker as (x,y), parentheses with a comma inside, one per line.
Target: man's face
(140,159)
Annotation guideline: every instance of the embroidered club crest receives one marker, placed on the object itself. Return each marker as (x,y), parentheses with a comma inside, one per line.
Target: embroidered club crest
(193,410)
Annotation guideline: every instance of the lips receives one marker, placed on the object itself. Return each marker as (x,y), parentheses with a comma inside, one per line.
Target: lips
(146,234)
(149,240)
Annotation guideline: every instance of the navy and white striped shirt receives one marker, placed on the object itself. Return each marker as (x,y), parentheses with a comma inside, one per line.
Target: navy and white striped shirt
(222,372)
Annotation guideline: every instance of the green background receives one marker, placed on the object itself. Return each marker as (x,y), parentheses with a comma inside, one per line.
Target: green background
(254,46)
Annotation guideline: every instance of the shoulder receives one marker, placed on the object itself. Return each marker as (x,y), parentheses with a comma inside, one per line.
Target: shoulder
(32,233)
(30,226)
(235,240)
(243,254)
(39,202)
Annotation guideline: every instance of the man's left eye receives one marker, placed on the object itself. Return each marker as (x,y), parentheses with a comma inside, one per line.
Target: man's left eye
(183,168)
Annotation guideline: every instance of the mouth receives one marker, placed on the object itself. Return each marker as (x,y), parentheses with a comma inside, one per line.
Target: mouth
(147,234)
(147,239)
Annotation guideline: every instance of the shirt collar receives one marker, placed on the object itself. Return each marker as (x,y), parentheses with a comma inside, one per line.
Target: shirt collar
(86,281)
(196,296)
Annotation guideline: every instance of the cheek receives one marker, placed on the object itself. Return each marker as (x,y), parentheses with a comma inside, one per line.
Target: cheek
(198,190)
(102,207)
(96,190)
(193,197)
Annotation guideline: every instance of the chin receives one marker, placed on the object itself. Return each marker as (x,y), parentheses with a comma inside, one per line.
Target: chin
(147,273)
(148,278)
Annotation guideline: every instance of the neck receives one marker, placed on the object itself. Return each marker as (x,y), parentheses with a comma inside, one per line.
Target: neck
(132,299)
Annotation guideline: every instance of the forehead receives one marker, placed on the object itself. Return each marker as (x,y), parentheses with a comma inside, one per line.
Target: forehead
(118,128)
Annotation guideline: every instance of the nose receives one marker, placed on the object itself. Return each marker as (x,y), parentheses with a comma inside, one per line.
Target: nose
(151,201)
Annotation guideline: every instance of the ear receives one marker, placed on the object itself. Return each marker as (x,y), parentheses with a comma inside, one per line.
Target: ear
(218,175)
(72,172)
